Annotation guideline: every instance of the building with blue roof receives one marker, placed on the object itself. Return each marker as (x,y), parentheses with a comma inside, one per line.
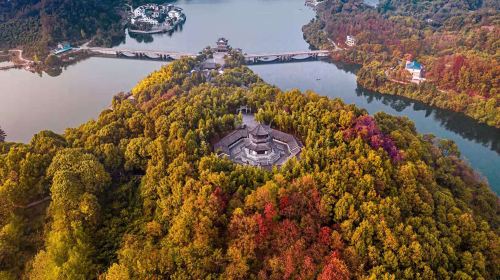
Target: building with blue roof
(413,65)
(62,48)
(415,68)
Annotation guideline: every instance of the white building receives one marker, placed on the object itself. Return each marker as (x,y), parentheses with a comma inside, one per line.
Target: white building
(149,13)
(350,41)
(157,14)
(415,69)
(173,14)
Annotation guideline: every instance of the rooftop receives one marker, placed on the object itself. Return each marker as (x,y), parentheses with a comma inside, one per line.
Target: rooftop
(259,130)
(258,145)
(413,65)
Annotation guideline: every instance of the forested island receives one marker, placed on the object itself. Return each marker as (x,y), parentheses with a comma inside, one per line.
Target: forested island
(139,193)
(457,43)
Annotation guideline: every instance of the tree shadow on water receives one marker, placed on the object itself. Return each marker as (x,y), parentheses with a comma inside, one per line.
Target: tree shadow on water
(141,38)
(459,123)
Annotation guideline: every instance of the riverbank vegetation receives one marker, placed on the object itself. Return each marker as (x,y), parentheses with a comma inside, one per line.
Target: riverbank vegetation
(36,26)
(456,41)
(138,193)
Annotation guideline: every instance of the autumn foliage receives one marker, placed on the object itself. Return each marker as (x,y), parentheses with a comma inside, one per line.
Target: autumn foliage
(456,42)
(139,194)
(366,128)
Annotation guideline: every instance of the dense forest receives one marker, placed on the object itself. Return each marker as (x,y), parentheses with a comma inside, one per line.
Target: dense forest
(456,41)
(139,194)
(37,25)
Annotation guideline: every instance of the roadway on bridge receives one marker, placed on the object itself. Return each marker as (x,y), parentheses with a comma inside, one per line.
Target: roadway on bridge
(183,54)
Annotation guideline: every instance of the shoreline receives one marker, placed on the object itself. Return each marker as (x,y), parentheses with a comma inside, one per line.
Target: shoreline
(164,29)
(179,17)
(410,90)
(391,86)
(153,31)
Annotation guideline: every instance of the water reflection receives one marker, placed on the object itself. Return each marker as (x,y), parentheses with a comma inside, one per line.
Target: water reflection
(459,123)
(346,67)
(478,143)
(453,121)
(149,38)
(141,38)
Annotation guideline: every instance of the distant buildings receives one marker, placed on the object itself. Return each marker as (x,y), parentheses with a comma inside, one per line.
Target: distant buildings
(259,145)
(416,69)
(149,13)
(175,14)
(62,48)
(350,41)
(163,16)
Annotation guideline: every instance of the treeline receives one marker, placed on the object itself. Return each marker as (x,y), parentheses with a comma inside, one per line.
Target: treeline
(36,26)
(139,194)
(485,110)
(456,41)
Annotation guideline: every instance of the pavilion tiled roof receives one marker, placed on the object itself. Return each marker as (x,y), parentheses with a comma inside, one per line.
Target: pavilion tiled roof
(293,144)
(259,130)
(258,147)
(244,138)
(230,139)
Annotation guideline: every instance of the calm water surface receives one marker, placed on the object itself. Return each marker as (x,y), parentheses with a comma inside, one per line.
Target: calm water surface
(30,103)
(479,144)
(253,25)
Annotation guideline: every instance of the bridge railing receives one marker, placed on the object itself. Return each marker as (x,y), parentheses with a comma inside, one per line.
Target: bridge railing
(250,58)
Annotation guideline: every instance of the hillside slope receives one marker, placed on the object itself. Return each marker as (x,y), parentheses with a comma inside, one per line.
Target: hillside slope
(457,42)
(138,193)
(34,25)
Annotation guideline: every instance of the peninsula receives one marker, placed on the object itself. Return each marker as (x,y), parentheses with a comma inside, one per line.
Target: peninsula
(167,184)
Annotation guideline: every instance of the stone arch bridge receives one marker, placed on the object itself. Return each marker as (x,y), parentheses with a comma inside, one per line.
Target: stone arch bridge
(275,57)
(285,56)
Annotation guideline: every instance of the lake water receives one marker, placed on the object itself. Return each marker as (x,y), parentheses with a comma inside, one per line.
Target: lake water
(30,103)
